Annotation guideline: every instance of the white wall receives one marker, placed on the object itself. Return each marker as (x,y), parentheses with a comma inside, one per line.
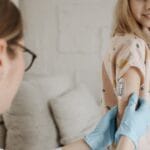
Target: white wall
(69,36)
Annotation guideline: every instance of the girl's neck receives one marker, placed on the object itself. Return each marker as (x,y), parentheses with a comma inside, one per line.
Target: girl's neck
(147,31)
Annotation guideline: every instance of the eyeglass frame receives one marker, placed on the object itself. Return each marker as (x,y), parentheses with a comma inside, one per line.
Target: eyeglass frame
(25,49)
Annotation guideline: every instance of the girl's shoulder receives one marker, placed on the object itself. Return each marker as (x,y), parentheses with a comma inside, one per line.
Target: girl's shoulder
(128,39)
(126,46)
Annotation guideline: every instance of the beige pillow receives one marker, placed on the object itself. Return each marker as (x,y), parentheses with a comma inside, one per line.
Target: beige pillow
(76,113)
(29,123)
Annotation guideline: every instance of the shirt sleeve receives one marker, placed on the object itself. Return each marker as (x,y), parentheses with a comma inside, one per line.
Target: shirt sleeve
(131,54)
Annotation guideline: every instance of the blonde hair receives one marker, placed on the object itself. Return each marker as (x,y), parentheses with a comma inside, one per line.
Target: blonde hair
(125,22)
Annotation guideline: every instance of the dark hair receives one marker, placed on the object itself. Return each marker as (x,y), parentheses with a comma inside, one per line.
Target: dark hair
(11,24)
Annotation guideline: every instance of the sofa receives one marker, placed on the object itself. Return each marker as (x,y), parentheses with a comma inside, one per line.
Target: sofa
(49,112)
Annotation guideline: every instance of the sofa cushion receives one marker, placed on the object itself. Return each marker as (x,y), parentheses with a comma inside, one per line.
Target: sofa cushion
(76,113)
(28,122)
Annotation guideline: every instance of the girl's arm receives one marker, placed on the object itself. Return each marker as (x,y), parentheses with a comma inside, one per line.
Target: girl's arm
(132,80)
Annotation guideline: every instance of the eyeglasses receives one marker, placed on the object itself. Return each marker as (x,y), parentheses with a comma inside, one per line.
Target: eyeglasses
(29,56)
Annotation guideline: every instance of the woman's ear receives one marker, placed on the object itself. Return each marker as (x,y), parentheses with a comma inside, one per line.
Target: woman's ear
(3,47)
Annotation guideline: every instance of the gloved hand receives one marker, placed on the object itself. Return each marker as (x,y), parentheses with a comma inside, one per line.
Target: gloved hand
(104,133)
(135,121)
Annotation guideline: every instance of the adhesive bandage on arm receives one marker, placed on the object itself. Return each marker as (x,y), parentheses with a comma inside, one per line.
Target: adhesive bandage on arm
(121,87)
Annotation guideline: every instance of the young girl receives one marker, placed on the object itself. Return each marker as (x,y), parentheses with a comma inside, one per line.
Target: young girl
(126,66)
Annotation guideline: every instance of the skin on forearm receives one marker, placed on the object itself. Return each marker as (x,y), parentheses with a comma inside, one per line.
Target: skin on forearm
(125,144)
(132,84)
(80,144)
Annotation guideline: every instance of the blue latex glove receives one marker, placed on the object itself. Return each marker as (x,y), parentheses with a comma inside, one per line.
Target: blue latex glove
(135,121)
(104,133)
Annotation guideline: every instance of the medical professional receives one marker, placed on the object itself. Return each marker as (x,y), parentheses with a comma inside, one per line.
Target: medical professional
(12,53)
